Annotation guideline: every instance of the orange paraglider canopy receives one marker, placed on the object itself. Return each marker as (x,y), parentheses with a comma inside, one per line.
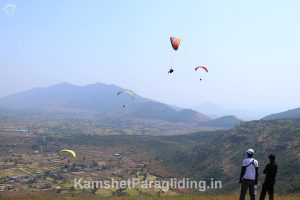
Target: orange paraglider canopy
(175,42)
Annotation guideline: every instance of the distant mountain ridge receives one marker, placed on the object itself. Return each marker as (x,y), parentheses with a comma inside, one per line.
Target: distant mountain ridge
(290,114)
(97,96)
(102,98)
(226,122)
(214,111)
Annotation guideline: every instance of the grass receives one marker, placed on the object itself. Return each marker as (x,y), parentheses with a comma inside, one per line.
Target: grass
(2,174)
(54,196)
(7,163)
(131,192)
(104,193)
(68,184)
(10,172)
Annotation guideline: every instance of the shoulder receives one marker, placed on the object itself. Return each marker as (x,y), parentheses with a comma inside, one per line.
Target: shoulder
(255,162)
(246,162)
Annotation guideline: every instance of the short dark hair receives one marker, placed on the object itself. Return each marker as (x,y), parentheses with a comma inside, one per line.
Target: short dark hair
(249,155)
(272,157)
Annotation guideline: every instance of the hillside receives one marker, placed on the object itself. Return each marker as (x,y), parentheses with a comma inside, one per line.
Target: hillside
(224,153)
(155,110)
(290,114)
(216,111)
(198,156)
(226,122)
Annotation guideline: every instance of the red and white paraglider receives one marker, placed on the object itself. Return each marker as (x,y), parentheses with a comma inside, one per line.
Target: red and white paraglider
(201,67)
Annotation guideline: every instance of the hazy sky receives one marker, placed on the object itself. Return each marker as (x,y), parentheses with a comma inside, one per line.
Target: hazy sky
(250,47)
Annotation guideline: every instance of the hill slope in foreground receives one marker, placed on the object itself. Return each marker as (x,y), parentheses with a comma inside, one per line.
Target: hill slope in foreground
(198,156)
(220,157)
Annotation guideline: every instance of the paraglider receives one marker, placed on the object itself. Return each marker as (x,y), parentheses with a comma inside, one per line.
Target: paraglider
(201,67)
(70,151)
(171,71)
(175,42)
(130,93)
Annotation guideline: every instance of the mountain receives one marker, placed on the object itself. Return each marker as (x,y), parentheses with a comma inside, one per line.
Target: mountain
(212,110)
(155,110)
(226,122)
(290,114)
(98,98)
(215,111)
(223,152)
(100,102)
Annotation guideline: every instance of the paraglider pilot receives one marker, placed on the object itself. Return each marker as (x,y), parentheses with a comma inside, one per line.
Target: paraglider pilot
(171,71)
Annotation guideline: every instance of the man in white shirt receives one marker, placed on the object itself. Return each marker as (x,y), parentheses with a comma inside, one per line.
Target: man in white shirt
(249,175)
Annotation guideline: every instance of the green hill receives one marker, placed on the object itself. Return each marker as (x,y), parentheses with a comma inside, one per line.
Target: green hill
(290,114)
(220,157)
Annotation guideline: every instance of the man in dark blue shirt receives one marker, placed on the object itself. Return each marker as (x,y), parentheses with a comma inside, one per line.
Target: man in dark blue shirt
(268,186)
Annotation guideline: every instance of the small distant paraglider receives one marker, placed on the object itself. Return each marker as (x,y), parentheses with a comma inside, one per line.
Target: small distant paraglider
(129,93)
(69,151)
(171,71)
(201,67)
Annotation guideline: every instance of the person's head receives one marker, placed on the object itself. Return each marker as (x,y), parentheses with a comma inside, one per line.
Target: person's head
(250,153)
(272,158)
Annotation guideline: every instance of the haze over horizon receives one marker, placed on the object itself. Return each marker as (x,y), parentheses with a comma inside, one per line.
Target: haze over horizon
(251,49)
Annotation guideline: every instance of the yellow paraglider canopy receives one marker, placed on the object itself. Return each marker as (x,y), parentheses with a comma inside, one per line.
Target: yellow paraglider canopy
(130,93)
(70,151)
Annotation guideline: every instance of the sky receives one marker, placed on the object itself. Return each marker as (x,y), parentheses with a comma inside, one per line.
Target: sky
(251,49)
